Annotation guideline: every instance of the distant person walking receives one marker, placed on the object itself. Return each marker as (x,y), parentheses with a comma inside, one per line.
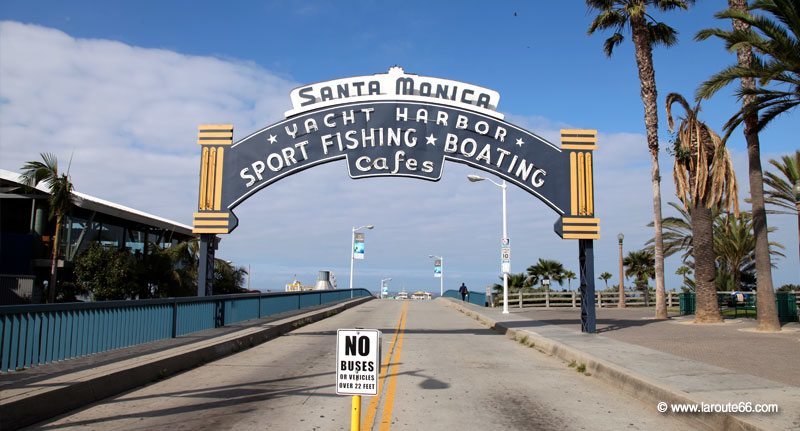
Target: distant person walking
(463,291)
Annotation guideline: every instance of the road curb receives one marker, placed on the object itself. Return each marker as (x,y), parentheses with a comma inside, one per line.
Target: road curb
(632,383)
(46,403)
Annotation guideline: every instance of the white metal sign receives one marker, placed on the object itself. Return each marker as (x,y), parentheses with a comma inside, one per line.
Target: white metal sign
(358,353)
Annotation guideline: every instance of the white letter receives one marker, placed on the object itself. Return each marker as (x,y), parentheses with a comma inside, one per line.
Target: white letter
(359,165)
(245,176)
(537,182)
(450,143)
(401,115)
(326,118)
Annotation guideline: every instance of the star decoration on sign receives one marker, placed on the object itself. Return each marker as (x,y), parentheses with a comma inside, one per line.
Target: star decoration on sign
(272,139)
(520,142)
(430,140)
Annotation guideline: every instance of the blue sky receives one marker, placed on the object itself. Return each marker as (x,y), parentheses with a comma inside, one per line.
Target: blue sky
(139,76)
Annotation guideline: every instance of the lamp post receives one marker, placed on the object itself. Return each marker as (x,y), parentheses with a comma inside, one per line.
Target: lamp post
(503,187)
(353,252)
(441,275)
(383,281)
(621,303)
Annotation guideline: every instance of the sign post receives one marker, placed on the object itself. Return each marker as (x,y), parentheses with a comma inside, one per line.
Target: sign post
(358,353)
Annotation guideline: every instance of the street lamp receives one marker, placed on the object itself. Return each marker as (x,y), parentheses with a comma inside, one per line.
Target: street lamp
(353,252)
(503,187)
(621,303)
(441,276)
(383,281)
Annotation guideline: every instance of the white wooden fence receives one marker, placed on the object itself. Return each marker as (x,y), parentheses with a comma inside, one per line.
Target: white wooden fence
(572,299)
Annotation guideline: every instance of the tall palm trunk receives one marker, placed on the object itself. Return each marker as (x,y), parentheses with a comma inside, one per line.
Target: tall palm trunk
(54,262)
(765,306)
(704,269)
(647,79)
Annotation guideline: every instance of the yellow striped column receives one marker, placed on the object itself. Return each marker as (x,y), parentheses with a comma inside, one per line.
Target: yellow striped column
(213,140)
(580,222)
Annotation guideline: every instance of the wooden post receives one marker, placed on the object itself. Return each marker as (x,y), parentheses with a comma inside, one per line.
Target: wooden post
(574,297)
(520,299)
(547,299)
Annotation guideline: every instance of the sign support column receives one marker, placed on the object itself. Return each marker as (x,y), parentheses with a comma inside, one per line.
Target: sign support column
(210,219)
(586,262)
(580,222)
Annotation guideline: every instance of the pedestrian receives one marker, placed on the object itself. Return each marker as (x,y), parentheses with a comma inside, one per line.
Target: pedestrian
(463,291)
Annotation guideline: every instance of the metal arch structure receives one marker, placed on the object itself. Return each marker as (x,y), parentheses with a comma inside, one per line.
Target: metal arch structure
(404,125)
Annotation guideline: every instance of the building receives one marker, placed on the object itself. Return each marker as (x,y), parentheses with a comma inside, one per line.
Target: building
(26,235)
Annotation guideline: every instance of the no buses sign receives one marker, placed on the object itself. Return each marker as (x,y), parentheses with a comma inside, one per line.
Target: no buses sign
(358,353)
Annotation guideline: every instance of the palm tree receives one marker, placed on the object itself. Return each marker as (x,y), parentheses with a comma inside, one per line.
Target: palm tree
(605,276)
(735,245)
(685,271)
(60,202)
(569,275)
(778,62)
(550,269)
(640,265)
(516,282)
(704,181)
(781,192)
(677,233)
(646,32)
(775,65)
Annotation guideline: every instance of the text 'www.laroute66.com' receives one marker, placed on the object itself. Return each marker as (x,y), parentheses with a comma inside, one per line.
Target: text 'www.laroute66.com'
(740,407)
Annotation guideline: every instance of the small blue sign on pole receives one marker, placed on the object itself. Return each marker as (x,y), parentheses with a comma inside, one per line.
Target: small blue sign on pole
(358,245)
(437,268)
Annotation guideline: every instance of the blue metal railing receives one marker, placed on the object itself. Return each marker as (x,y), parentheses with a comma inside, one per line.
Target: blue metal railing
(476,298)
(32,335)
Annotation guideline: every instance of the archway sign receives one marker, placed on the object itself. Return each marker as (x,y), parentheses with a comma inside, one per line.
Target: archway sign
(402,125)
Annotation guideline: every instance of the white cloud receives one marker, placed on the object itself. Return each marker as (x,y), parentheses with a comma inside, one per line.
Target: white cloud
(130,115)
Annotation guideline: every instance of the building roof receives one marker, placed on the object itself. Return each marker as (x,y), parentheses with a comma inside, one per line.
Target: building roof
(91,203)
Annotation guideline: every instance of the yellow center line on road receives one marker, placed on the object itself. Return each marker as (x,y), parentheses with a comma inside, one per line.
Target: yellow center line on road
(386,418)
(372,409)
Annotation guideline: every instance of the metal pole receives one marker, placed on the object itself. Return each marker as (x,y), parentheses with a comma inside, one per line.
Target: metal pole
(505,235)
(441,279)
(621,303)
(352,258)
(355,413)
(586,261)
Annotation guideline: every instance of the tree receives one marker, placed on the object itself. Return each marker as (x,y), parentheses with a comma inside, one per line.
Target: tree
(516,282)
(677,234)
(685,271)
(569,275)
(60,202)
(228,278)
(704,182)
(780,190)
(107,273)
(735,246)
(779,62)
(640,265)
(605,276)
(550,269)
(646,33)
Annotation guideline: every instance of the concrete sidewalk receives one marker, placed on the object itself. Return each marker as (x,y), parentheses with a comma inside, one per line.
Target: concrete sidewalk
(670,361)
(30,396)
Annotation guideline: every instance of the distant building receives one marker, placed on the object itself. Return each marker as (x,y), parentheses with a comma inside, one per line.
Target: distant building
(420,295)
(26,235)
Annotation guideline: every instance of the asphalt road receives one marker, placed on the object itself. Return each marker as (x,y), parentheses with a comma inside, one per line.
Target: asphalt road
(445,372)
